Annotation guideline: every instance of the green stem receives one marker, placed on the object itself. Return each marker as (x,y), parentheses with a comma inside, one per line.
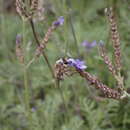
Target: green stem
(26,86)
(62,97)
(72,28)
(43,53)
(61,93)
(27,97)
(74,35)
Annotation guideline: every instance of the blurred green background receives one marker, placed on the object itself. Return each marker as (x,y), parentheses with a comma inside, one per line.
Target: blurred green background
(85,109)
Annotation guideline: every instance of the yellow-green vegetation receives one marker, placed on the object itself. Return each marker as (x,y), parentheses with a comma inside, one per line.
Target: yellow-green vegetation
(30,98)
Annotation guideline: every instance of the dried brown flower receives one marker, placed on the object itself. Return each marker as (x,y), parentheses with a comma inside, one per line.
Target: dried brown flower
(19,50)
(115,37)
(107,60)
(20,8)
(108,92)
(34,7)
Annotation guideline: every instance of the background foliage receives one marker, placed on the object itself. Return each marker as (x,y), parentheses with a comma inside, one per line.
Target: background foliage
(85,110)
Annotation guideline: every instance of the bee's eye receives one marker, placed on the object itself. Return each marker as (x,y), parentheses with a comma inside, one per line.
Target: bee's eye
(65,63)
(64,60)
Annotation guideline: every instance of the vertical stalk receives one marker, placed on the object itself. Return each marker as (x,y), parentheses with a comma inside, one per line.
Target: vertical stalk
(26,86)
(64,11)
(3,30)
(62,96)
(68,3)
(63,99)
(74,35)
(26,92)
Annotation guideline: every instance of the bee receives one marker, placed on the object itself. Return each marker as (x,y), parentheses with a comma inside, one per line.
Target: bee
(62,69)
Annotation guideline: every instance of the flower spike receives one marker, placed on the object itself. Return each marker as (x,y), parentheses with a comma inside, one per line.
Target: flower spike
(106,59)
(115,37)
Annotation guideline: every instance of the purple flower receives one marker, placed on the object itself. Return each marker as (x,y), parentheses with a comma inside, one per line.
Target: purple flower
(76,63)
(89,45)
(18,39)
(33,109)
(59,21)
